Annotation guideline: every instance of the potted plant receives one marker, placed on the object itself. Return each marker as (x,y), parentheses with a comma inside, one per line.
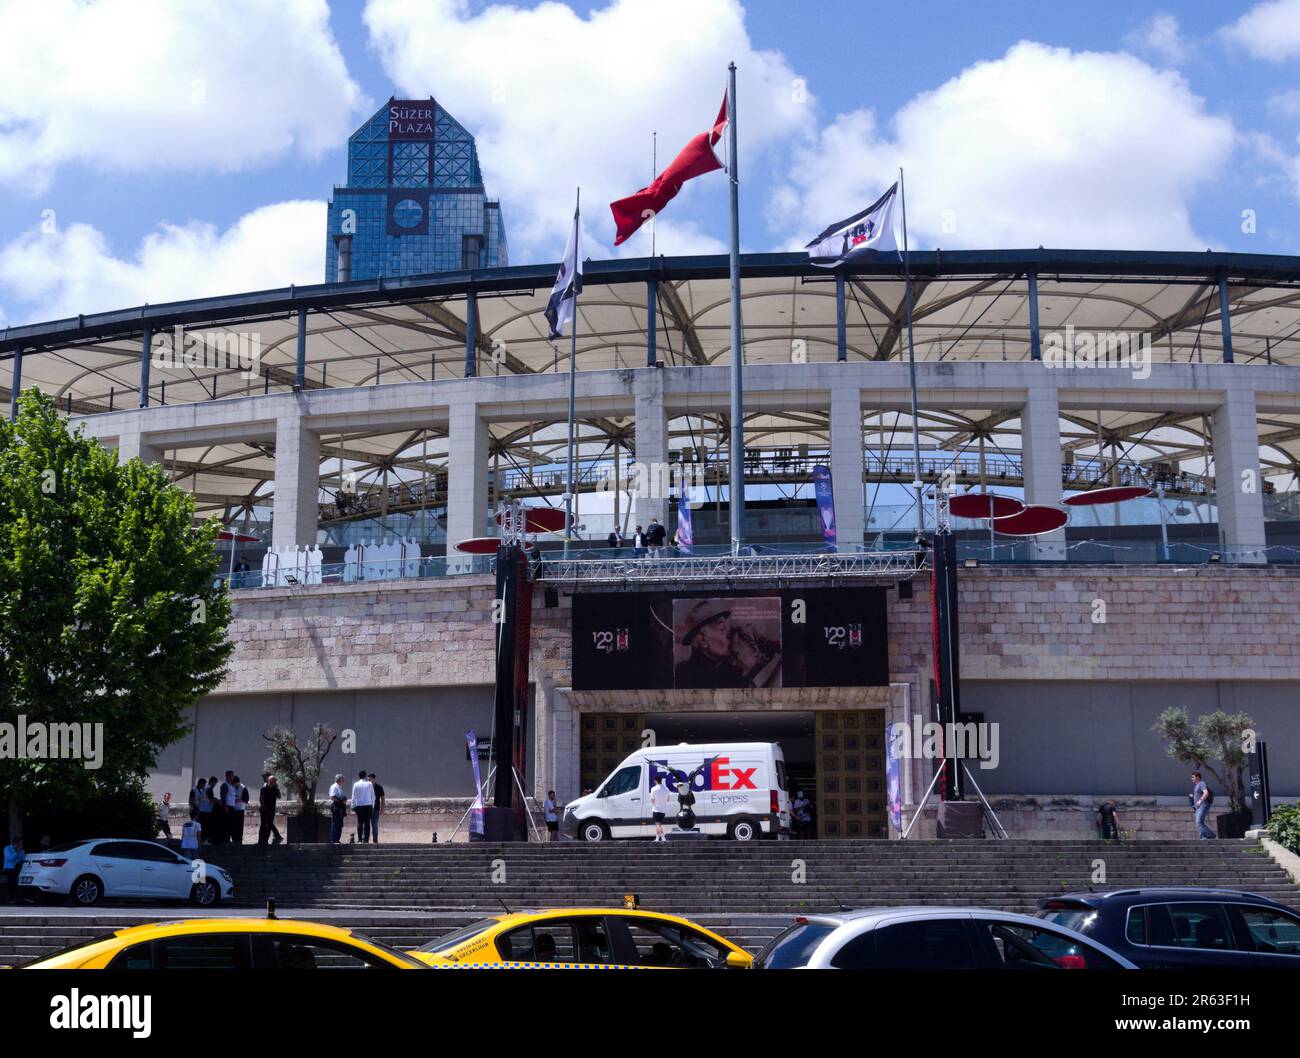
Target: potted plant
(298,765)
(1215,738)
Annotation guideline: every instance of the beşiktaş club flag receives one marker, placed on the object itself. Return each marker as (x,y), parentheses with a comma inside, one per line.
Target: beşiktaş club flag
(871,231)
(696,158)
(568,285)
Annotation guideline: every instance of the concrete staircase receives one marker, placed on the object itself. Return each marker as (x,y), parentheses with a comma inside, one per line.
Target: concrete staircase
(409,894)
(721,877)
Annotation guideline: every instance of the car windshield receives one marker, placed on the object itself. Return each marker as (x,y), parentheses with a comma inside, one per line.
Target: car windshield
(459,936)
(68,950)
(68,847)
(404,957)
(794,947)
(1080,920)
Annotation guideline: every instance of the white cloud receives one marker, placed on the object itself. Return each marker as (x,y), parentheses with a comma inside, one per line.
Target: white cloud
(1043,146)
(143,85)
(70,271)
(1160,35)
(1269,30)
(1286,103)
(557,100)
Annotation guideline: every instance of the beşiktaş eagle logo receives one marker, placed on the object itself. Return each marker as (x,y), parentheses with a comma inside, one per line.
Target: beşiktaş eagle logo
(867,232)
(77,1011)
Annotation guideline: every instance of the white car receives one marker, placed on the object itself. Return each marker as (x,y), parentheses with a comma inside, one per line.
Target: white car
(88,871)
(933,938)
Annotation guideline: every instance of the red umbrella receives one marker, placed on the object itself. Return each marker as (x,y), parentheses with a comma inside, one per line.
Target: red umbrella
(980,504)
(1034,520)
(1115,494)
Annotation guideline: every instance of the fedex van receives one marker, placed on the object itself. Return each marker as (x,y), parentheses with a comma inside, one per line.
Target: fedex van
(741,792)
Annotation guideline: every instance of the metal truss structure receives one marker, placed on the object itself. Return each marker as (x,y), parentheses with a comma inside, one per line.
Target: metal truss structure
(701,569)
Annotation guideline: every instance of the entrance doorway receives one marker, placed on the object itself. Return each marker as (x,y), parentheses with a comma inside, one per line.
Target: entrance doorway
(837,757)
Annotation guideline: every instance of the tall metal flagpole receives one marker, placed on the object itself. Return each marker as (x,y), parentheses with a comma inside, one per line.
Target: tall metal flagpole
(573,374)
(737,484)
(911,367)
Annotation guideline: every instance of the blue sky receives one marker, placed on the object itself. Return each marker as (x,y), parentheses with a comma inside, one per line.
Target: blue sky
(1118,124)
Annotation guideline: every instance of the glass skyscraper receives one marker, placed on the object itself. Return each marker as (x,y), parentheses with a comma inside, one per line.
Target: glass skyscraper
(414,200)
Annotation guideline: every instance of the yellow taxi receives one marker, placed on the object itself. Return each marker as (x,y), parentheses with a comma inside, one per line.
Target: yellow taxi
(230,944)
(584,939)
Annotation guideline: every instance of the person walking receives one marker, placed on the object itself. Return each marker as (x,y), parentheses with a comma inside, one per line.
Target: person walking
(191,836)
(379,808)
(550,812)
(238,803)
(161,821)
(1201,798)
(266,800)
(659,806)
(363,804)
(1108,821)
(14,856)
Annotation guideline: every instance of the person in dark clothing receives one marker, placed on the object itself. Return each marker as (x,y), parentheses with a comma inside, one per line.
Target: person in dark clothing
(1108,821)
(379,809)
(214,818)
(655,537)
(613,541)
(266,800)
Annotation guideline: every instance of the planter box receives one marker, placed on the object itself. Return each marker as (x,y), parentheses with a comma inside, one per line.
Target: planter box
(1233,824)
(307,830)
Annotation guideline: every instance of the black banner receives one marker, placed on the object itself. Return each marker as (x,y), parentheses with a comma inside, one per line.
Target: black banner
(824,637)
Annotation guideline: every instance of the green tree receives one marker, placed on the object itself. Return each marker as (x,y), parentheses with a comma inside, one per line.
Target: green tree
(1214,737)
(110,608)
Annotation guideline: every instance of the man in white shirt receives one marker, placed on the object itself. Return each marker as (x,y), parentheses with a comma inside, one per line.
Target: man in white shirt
(363,803)
(338,808)
(191,836)
(659,806)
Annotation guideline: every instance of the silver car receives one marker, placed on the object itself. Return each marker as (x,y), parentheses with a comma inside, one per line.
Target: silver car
(933,938)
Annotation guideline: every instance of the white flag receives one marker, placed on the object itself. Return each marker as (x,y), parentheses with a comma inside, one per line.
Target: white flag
(868,232)
(568,285)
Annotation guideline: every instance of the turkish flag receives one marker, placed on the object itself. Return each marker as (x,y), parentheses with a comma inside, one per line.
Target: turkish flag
(696,159)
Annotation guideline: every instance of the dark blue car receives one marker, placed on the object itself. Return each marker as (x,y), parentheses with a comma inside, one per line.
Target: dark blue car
(1184,928)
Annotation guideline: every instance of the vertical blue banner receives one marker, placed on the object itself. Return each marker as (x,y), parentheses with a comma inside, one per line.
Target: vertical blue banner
(685,527)
(825,491)
(894,781)
(476,809)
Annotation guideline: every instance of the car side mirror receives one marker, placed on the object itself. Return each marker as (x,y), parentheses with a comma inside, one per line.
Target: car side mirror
(738,960)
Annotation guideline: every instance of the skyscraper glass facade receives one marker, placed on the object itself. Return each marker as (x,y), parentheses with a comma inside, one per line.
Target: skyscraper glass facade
(414,201)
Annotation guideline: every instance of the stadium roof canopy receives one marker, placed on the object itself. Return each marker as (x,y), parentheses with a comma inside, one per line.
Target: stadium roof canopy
(968,305)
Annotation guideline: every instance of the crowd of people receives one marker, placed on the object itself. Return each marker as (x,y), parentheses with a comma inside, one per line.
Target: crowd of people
(367,799)
(216,813)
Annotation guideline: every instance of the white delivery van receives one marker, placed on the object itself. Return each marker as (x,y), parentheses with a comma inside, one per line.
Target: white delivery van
(741,791)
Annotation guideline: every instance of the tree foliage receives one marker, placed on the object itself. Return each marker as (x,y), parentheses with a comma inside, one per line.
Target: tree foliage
(299,764)
(110,608)
(1216,737)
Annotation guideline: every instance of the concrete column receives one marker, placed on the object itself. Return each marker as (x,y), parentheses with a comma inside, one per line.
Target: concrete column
(1040,441)
(467,474)
(297,482)
(1238,482)
(651,472)
(846,466)
(135,445)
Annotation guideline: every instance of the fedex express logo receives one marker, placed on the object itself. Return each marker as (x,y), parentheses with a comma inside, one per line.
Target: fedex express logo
(717,775)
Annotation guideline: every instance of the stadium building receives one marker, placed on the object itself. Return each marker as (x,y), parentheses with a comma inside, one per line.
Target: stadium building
(414,202)
(351,431)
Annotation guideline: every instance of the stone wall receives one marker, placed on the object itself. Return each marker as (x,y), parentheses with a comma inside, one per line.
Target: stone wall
(1108,625)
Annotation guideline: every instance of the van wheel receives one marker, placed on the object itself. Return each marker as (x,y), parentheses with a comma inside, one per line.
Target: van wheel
(745,830)
(86,891)
(594,830)
(205,894)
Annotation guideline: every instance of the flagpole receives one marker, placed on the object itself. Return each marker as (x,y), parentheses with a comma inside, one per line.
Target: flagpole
(654,171)
(911,367)
(573,374)
(737,490)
